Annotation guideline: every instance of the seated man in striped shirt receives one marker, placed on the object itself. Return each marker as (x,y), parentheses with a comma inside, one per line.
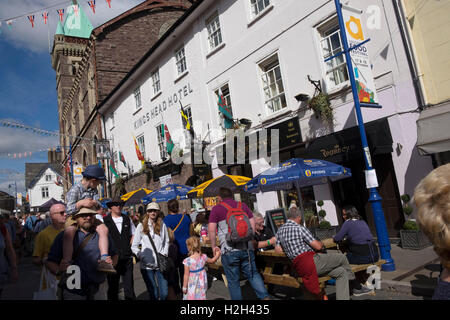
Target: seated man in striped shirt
(311,260)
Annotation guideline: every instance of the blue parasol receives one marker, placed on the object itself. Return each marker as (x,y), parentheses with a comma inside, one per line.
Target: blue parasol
(171,191)
(299,173)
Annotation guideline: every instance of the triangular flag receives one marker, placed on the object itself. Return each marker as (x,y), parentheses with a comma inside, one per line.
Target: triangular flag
(75,9)
(31,18)
(61,14)
(9,23)
(109,3)
(45,16)
(92,5)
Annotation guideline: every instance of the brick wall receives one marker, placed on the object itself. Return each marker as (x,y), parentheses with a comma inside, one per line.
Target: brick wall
(123,44)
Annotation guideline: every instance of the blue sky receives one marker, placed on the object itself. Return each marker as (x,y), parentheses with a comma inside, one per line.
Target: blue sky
(28,81)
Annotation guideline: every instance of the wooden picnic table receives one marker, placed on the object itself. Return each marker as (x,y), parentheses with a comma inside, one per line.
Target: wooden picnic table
(289,277)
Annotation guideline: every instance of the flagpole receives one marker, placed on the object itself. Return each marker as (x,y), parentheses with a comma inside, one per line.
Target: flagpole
(71,162)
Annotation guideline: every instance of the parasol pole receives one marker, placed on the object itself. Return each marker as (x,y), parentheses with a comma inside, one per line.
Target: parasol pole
(300,201)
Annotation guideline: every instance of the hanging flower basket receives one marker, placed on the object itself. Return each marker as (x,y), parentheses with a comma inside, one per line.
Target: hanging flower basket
(321,106)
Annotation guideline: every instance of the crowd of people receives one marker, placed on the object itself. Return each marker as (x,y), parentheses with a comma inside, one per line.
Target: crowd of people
(104,242)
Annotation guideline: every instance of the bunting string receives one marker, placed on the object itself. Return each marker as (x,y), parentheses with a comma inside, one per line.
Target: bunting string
(45,13)
(16,125)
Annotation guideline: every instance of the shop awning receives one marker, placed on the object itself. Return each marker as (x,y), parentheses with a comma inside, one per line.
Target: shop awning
(433,132)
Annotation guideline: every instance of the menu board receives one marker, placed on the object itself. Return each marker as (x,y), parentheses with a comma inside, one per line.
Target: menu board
(275,218)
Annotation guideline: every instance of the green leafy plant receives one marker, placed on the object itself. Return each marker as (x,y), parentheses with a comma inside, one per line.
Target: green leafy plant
(410,225)
(324,224)
(119,186)
(322,213)
(407,209)
(321,106)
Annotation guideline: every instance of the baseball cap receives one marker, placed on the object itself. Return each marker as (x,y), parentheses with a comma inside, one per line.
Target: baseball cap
(153,206)
(85,211)
(94,171)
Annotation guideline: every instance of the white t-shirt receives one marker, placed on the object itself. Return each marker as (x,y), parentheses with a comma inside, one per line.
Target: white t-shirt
(118,221)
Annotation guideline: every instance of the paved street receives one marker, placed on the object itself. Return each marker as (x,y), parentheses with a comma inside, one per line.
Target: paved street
(29,282)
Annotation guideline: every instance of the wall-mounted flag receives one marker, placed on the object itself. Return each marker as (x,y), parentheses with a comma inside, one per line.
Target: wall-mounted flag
(138,152)
(31,18)
(169,143)
(45,16)
(122,159)
(225,110)
(113,168)
(186,124)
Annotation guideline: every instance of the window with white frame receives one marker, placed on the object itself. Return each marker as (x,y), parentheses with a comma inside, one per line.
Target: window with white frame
(137,97)
(331,44)
(258,6)
(48,177)
(272,83)
(214,33)
(141,144)
(162,147)
(225,92)
(156,84)
(180,59)
(44,192)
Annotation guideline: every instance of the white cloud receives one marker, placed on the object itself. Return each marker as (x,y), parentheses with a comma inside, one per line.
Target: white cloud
(40,37)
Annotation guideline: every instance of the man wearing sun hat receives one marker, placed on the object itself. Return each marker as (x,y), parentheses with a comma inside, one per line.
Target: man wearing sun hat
(122,231)
(86,257)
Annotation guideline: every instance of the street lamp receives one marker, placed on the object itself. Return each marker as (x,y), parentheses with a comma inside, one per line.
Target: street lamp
(374,197)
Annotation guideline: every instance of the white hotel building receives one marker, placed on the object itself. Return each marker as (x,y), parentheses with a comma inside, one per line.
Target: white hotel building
(259,53)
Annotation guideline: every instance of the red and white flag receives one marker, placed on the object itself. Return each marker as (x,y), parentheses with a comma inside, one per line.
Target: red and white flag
(31,18)
(109,3)
(75,9)
(61,14)
(92,5)
(45,16)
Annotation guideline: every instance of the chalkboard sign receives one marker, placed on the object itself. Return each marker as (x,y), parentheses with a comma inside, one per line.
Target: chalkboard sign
(275,219)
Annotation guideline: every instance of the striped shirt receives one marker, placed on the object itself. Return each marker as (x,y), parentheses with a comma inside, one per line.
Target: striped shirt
(77,193)
(294,239)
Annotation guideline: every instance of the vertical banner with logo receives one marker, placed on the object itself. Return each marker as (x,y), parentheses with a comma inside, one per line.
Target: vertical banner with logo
(77,173)
(360,56)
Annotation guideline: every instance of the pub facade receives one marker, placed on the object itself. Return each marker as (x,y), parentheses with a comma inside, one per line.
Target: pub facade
(265,60)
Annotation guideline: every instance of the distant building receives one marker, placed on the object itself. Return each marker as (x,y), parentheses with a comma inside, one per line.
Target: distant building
(45,185)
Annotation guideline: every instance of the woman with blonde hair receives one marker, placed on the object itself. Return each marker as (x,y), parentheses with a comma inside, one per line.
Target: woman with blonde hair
(432,199)
(195,282)
(152,233)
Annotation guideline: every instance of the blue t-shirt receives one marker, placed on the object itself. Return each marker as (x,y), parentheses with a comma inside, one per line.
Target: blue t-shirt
(182,232)
(87,259)
(357,232)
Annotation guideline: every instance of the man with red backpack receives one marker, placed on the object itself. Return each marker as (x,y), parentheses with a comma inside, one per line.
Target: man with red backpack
(235,227)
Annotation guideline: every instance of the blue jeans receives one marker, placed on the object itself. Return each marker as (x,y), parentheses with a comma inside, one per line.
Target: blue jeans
(157,286)
(235,261)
